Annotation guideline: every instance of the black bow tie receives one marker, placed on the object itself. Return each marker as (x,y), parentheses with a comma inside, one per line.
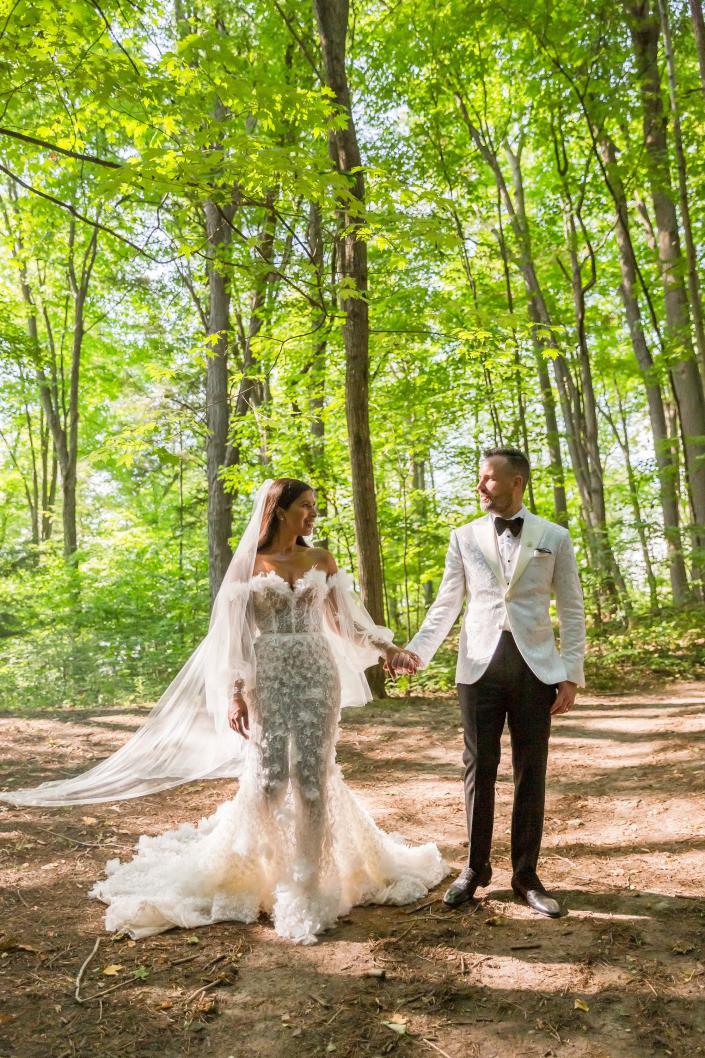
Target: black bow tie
(512,524)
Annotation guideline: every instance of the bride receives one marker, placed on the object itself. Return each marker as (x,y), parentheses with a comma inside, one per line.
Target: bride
(259,699)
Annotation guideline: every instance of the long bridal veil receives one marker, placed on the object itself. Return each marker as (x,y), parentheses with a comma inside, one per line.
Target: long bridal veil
(186,736)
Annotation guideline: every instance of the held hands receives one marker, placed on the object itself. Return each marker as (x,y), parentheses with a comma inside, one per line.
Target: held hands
(565,698)
(238,716)
(399,661)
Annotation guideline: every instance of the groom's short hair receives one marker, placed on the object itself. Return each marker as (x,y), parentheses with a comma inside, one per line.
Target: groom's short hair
(516,459)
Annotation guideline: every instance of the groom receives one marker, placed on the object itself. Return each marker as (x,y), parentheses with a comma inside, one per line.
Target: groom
(507,566)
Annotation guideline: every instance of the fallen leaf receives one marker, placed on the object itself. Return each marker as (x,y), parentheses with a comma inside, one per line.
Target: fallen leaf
(12,944)
(111,970)
(580,1004)
(192,939)
(5,1018)
(330,1048)
(141,973)
(683,948)
(397,1026)
(89,820)
(494,920)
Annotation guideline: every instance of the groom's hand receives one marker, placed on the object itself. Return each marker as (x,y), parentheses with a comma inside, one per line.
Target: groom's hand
(565,699)
(402,661)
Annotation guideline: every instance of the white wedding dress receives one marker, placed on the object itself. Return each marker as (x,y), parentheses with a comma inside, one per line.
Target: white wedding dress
(294,842)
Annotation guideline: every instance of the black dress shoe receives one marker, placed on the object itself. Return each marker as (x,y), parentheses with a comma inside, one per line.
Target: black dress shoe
(464,886)
(537,898)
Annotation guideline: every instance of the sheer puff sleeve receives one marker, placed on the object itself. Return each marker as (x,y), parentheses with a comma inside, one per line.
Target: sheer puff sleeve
(356,641)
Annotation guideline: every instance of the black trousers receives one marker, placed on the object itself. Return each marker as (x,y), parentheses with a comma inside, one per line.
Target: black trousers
(508,689)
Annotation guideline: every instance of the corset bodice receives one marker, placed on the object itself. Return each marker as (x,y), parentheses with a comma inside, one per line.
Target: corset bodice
(280,608)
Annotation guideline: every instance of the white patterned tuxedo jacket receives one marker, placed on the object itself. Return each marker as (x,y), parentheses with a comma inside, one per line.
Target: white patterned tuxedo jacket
(545,566)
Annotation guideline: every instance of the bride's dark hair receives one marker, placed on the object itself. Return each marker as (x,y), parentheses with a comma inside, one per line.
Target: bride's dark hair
(282,493)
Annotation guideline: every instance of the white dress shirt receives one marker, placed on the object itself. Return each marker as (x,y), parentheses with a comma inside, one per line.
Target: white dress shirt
(508,547)
(544,567)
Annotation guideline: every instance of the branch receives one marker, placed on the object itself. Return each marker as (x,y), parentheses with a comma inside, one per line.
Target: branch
(311,61)
(77,155)
(115,40)
(86,220)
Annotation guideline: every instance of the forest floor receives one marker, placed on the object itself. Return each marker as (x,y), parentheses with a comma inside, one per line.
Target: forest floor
(621,975)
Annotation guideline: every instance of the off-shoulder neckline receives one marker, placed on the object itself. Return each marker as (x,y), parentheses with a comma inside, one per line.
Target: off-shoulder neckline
(272,574)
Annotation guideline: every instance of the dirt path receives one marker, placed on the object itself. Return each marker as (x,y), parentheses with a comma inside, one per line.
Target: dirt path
(622,975)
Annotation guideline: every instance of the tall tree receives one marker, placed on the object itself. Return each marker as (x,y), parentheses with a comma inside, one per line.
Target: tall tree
(332,19)
(644,28)
(665,446)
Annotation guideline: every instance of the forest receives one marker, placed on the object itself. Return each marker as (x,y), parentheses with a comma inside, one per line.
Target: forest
(355,244)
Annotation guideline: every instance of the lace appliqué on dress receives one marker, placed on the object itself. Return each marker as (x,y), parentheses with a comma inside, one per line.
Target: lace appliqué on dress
(294,842)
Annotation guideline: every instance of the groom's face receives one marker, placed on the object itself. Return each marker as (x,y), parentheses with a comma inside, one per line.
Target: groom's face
(499,487)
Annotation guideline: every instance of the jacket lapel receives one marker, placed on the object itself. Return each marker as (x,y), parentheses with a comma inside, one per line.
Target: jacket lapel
(485,536)
(531,533)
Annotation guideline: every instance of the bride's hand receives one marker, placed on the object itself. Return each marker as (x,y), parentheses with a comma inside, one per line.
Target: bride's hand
(238,716)
(398,660)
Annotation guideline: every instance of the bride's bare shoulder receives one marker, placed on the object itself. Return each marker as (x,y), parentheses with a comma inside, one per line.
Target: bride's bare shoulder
(323,559)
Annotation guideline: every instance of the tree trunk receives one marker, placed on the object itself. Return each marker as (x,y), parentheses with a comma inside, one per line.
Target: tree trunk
(517,358)
(644,28)
(666,461)
(217,407)
(696,13)
(319,342)
(49,477)
(316,368)
(541,335)
(639,524)
(332,18)
(583,411)
(580,402)
(690,251)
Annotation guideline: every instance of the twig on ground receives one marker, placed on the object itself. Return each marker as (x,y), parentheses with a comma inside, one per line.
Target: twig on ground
(22,900)
(332,1019)
(204,988)
(187,958)
(435,1047)
(415,910)
(85,844)
(322,1002)
(412,999)
(79,978)
(392,940)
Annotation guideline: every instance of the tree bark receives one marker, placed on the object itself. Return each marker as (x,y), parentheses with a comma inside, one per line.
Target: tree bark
(217,407)
(332,19)
(644,28)
(580,402)
(58,395)
(538,314)
(696,13)
(666,461)
(622,440)
(517,357)
(690,251)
